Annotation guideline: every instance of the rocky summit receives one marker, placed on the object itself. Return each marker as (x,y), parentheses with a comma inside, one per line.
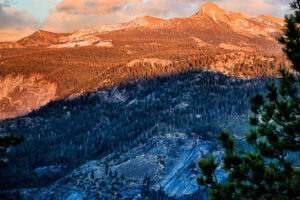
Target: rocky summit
(81,60)
(125,111)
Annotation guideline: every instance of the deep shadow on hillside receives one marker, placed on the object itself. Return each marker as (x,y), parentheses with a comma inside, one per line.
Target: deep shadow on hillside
(73,71)
(66,133)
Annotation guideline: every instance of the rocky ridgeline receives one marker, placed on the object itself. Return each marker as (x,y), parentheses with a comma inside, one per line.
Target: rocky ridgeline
(168,161)
(209,15)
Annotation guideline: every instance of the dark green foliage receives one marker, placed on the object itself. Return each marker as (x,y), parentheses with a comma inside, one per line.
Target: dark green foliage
(208,167)
(267,171)
(70,132)
(201,194)
(291,36)
(5,143)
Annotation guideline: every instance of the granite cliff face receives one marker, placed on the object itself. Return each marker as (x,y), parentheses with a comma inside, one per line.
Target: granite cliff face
(20,95)
(102,145)
(119,128)
(107,55)
(169,161)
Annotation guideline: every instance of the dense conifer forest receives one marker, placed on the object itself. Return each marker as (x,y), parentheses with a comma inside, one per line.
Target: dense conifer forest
(87,68)
(66,133)
(166,87)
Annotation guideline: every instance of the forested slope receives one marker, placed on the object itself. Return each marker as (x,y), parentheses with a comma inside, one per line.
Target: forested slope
(67,133)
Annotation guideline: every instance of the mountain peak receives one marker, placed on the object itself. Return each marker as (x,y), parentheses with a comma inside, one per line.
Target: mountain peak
(216,13)
(212,11)
(209,4)
(209,7)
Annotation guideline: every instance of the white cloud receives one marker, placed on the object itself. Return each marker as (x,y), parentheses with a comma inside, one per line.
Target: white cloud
(14,23)
(14,34)
(70,15)
(276,8)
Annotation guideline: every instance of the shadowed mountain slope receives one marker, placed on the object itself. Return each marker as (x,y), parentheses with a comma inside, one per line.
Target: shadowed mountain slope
(107,55)
(177,109)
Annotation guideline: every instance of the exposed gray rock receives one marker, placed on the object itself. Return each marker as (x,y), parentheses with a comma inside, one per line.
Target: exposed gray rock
(169,161)
(72,195)
(40,171)
(20,95)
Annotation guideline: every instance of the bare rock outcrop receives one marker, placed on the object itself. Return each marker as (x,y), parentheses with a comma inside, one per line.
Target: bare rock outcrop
(19,95)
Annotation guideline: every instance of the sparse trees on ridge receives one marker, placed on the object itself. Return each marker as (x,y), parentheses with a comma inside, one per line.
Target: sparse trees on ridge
(268,170)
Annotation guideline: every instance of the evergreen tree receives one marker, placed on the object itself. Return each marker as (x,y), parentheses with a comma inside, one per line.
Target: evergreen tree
(267,171)
(5,143)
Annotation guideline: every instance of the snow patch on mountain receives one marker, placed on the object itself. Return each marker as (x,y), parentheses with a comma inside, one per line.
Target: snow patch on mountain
(214,15)
(269,20)
(136,23)
(71,44)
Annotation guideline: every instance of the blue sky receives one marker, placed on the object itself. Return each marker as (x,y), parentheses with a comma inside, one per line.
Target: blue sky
(39,9)
(19,18)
